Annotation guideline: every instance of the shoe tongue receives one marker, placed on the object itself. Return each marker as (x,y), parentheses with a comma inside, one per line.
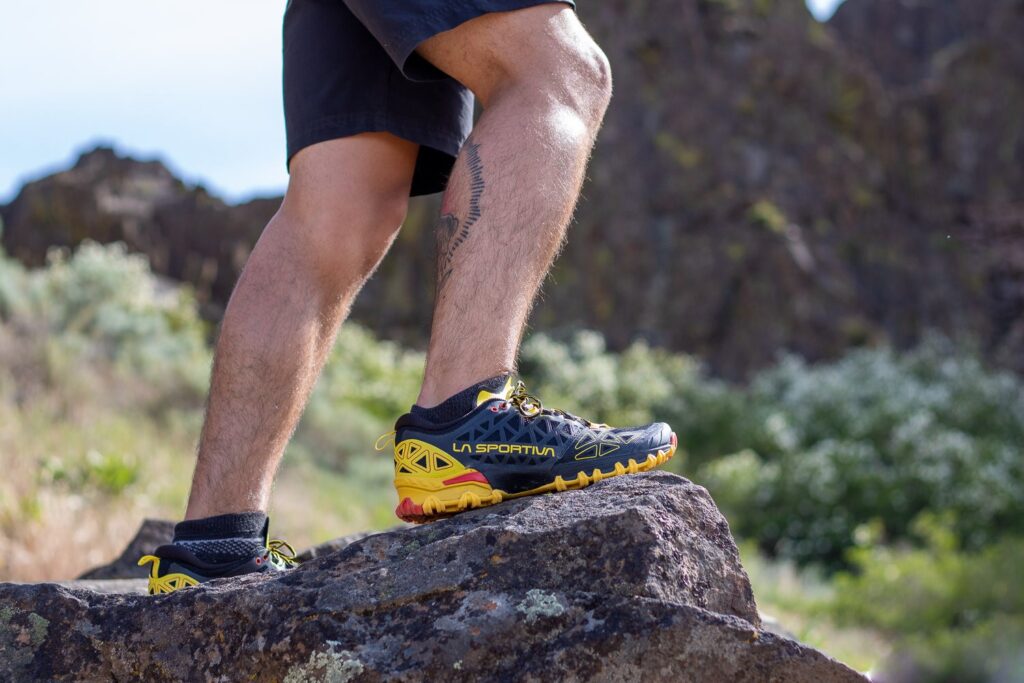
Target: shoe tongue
(265,534)
(484,395)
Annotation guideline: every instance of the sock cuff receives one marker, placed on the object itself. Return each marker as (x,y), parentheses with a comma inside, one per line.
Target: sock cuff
(238,525)
(462,402)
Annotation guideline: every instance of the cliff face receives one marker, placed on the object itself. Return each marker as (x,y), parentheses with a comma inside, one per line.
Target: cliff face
(636,578)
(187,234)
(763,183)
(903,39)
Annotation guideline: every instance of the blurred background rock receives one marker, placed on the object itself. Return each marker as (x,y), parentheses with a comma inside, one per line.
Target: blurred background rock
(801,243)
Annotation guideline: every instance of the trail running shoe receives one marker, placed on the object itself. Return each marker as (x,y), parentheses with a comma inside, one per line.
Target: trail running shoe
(174,567)
(511,446)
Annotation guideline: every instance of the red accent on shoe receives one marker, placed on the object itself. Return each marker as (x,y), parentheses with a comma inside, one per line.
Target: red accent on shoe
(407,509)
(467,477)
(675,441)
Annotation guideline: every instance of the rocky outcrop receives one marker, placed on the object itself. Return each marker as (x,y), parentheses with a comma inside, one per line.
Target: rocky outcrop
(186,233)
(915,32)
(636,578)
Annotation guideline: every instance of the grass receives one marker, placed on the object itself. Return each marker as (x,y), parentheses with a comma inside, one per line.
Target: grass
(75,490)
(797,599)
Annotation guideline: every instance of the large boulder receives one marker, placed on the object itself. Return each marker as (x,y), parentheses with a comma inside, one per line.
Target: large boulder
(636,578)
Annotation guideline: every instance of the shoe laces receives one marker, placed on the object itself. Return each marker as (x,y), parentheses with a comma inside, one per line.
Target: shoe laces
(281,552)
(529,406)
(385,440)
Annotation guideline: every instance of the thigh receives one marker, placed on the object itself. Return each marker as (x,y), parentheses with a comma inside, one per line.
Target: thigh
(487,50)
(340,82)
(401,26)
(367,169)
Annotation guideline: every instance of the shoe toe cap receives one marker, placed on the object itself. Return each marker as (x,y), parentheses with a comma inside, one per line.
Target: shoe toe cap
(661,435)
(657,435)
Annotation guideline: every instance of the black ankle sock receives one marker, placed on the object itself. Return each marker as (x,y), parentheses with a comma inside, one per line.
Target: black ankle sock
(462,402)
(224,537)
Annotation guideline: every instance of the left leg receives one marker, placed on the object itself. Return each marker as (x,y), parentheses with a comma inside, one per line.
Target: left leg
(544,86)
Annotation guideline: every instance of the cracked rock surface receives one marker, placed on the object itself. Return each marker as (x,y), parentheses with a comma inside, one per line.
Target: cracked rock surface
(635,578)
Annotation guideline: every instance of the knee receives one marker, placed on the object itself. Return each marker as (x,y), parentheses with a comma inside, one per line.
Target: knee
(551,59)
(338,242)
(582,70)
(569,70)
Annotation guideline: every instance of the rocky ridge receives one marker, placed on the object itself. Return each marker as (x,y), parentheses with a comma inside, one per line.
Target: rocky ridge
(636,578)
(764,183)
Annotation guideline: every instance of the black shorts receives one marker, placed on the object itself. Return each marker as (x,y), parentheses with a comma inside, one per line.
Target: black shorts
(350,67)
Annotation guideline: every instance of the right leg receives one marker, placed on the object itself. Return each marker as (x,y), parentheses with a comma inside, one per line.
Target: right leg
(344,205)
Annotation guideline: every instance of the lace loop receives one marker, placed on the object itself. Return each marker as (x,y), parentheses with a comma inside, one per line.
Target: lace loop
(384,440)
(282,551)
(529,406)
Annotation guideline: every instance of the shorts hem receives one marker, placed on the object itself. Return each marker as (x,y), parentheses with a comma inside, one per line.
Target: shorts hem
(416,68)
(425,134)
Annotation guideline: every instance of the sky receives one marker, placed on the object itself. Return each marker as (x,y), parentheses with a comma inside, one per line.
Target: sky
(195,83)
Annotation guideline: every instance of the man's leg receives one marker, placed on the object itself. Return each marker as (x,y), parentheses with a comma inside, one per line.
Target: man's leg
(544,85)
(345,202)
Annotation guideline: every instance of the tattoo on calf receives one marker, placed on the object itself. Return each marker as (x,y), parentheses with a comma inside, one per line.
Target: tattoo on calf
(450,233)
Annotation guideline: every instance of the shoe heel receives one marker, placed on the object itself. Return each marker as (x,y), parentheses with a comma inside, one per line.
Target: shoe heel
(169,583)
(431,483)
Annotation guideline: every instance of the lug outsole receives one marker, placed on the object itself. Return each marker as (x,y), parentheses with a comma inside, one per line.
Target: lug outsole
(434,508)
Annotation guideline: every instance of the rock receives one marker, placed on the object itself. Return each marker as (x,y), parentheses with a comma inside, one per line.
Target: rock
(917,32)
(635,578)
(337,544)
(152,533)
(111,586)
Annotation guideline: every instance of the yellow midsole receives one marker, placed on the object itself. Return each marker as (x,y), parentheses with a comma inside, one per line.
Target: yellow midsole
(419,488)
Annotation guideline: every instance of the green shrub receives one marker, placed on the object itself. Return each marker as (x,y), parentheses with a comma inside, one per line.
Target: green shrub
(365,386)
(954,615)
(875,436)
(816,451)
(96,313)
(95,472)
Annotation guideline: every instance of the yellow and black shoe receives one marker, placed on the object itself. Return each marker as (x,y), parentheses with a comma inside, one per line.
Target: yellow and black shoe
(511,446)
(174,566)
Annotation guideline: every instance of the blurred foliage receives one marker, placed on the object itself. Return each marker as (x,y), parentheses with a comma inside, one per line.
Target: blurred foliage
(364,387)
(90,320)
(639,385)
(874,439)
(901,472)
(954,615)
(798,602)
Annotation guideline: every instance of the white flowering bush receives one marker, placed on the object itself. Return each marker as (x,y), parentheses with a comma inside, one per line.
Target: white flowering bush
(876,438)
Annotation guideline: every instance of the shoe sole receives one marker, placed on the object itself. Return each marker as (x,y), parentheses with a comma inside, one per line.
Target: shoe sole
(435,507)
(160,585)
